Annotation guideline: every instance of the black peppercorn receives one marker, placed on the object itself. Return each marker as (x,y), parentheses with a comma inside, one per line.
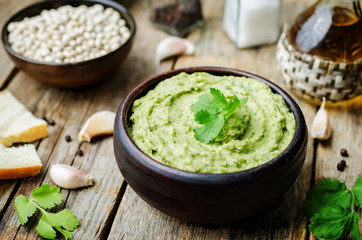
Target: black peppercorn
(344,152)
(68,138)
(341,165)
(51,122)
(80,152)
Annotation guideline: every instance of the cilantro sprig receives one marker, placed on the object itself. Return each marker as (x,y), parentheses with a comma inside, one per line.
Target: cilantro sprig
(332,208)
(46,197)
(212,110)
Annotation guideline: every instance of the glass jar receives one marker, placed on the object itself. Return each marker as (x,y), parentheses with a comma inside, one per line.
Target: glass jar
(321,54)
(251,23)
(331,29)
(177,17)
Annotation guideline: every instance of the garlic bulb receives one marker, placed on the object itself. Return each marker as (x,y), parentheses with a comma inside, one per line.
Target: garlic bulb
(69,177)
(320,126)
(173,46)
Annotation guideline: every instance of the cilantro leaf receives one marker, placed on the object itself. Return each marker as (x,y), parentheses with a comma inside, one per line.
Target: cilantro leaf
(210,130)
(212,110)
(209,102)
(357,190)
(331,185)
(219,97)
(24,208)
(331,207)
(232,105)
(45,229)
(65,233)
(355,231)
(329,223)
(47,196)
(204,117)
(329,192)
(63,221)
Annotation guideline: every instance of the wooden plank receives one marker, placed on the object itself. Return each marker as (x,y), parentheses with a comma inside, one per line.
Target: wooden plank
(7,9)
(345,122)
(284,221)
(69,109)
(7,187)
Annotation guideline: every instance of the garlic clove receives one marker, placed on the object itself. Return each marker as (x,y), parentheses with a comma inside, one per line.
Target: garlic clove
(69,177)
(320,126)
(173,46)
(100,123)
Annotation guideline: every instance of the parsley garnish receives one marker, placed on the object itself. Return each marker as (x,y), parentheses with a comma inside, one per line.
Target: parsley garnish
(332,208)
(45,197)
(212,110)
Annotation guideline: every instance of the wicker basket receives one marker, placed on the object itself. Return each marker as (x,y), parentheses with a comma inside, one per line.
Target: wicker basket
(313,77)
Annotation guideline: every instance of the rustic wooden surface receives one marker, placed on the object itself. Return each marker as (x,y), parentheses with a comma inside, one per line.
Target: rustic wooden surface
(110,209)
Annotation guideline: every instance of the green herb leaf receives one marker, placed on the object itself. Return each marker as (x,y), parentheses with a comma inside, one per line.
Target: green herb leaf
(357,190)
(209,102)
(210,130)
(355,231)
(232,105)
(329,192)
(45,229)
(63,221)
(331,208)
(24,208)
(219,97)
(212,110)
(330,223)
(47,197)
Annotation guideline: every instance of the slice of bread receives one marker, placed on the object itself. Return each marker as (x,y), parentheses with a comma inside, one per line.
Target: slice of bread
(18,124)
(19,162)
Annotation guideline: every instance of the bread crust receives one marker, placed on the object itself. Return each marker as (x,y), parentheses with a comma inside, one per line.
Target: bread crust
(36,129)
(32,134)
(23,172)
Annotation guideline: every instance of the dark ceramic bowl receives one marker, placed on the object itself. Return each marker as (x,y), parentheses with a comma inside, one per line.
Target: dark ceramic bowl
(70,74)
(208,198)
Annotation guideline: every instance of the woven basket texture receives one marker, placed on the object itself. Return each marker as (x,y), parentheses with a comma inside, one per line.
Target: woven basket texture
(313,77)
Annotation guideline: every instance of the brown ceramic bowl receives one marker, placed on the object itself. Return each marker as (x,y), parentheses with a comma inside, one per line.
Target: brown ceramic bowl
(208,198)
(77,74)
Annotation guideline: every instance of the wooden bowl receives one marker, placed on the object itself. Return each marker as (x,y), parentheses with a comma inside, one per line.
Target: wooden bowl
(70,75)
(208,198)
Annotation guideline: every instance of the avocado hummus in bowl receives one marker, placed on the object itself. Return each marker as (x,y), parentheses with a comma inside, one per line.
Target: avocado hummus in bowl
(162,124)
(209,145)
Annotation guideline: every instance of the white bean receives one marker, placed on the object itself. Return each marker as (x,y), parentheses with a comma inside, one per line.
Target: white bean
(69,34)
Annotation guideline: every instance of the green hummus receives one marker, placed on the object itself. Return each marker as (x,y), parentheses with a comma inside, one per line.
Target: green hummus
(162,124)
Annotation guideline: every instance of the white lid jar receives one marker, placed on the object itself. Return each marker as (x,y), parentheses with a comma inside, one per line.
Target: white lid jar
(252,22)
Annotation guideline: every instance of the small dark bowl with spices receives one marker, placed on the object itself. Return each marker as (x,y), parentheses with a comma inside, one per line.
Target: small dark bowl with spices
(76,73)
(203,197)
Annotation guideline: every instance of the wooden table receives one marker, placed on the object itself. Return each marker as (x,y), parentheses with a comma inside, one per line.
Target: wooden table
(111,209)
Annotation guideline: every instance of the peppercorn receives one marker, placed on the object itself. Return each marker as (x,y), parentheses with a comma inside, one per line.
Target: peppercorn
(344,152)
(80,152)
(51,122)
(341,165)
(68,138)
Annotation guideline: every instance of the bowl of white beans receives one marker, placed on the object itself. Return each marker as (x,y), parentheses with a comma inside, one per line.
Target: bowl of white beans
(69,43)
